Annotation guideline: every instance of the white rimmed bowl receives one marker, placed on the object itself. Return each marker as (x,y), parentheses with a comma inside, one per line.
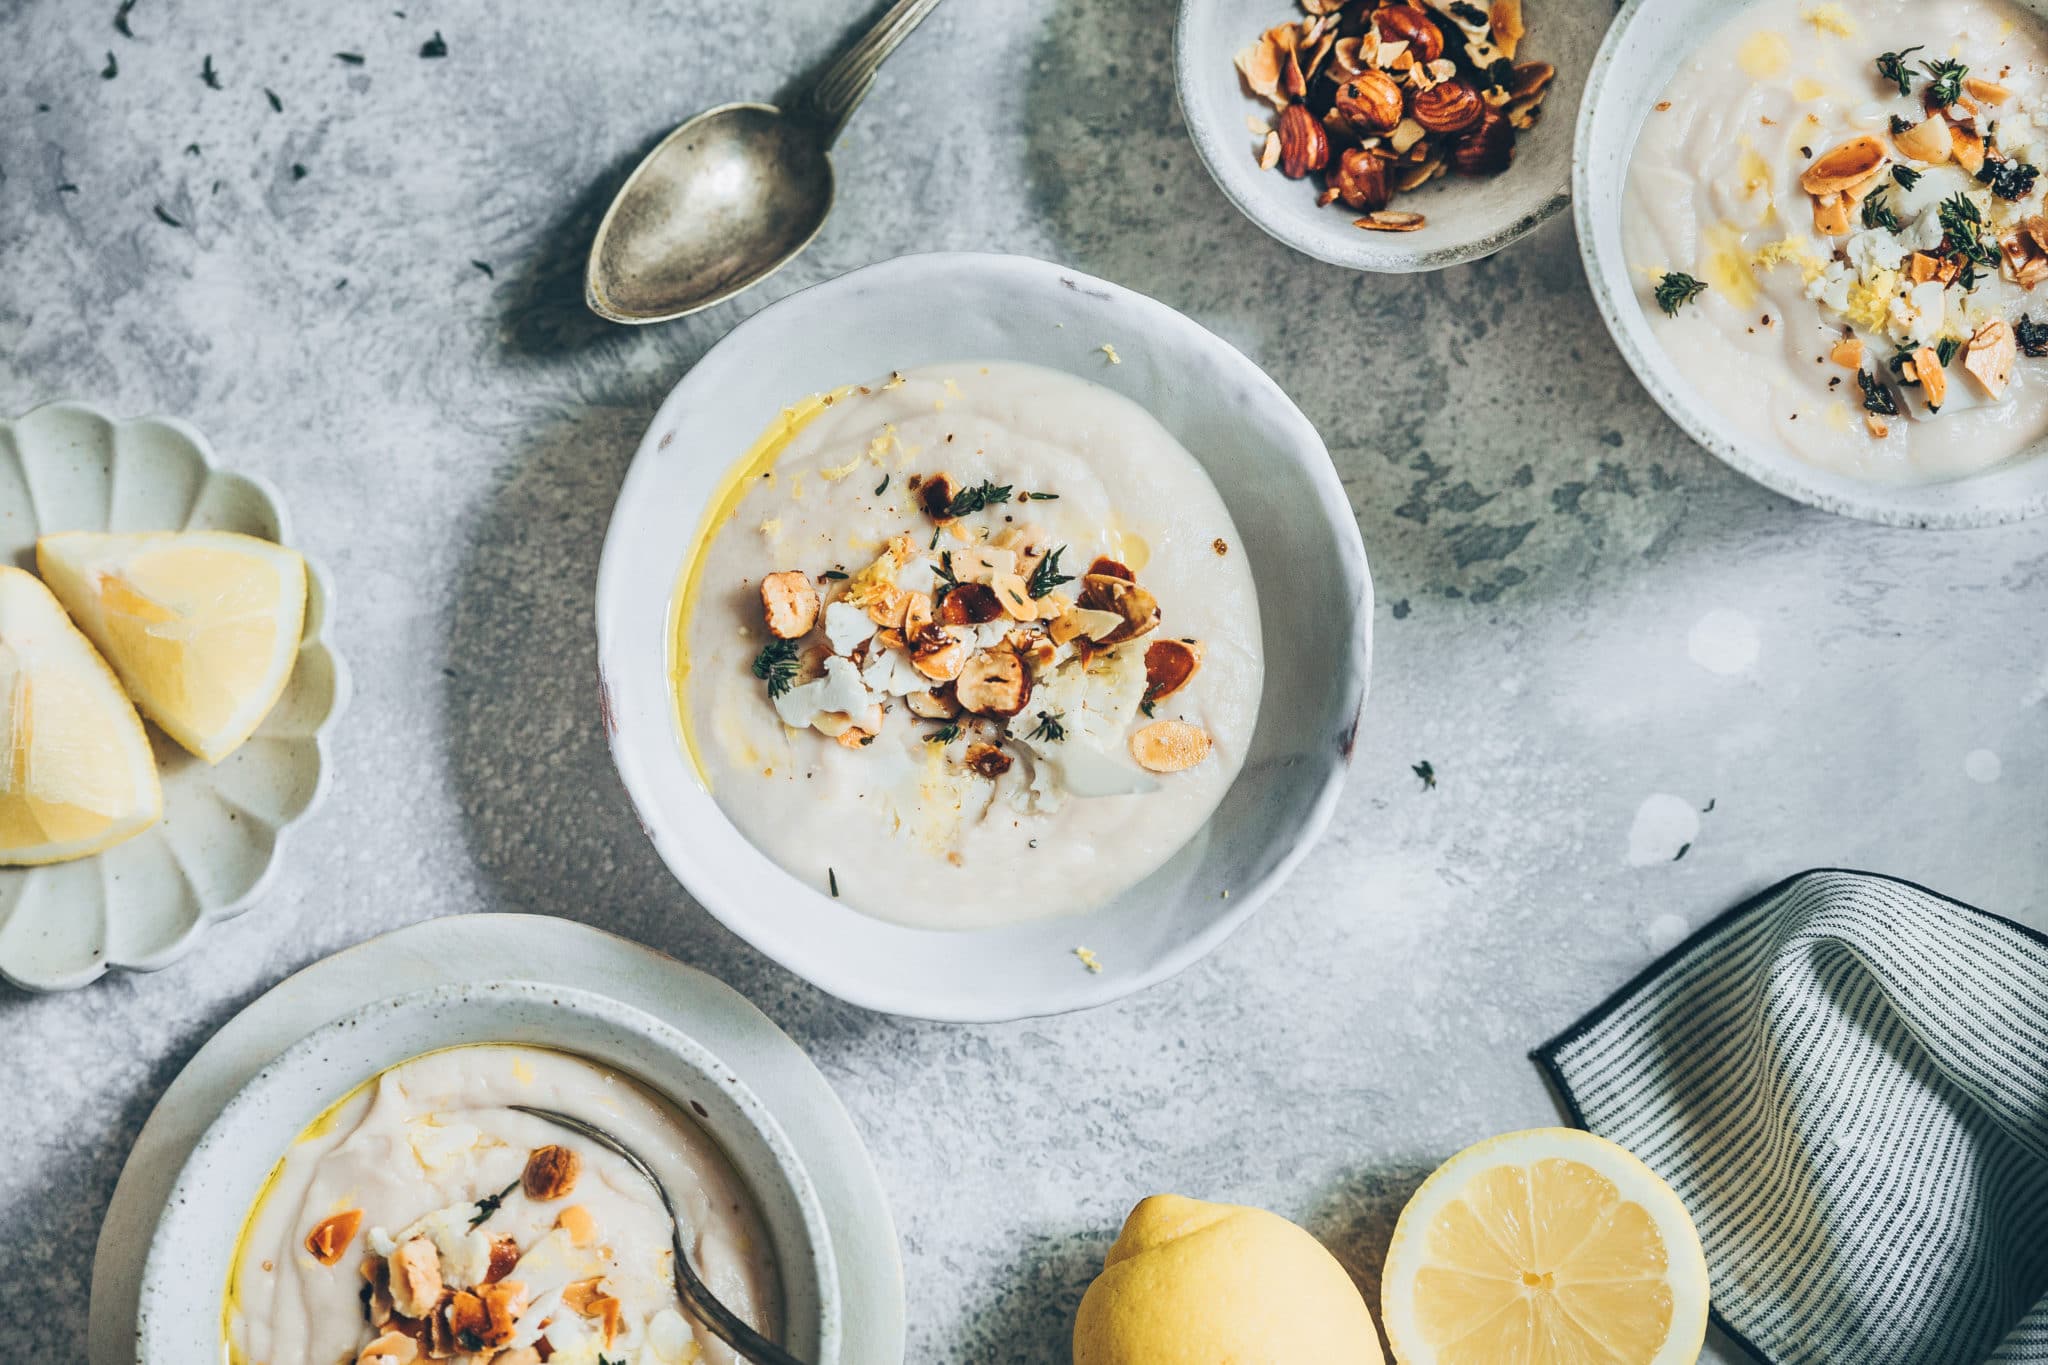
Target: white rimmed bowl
(1643,50)
(1469,217)
(192,1251)
(1315,600)
(141,906)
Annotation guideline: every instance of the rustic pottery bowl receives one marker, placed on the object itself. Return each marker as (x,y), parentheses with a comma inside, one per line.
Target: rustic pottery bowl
(193,1249)
(1315,601)
(1468,217)
(1643,50)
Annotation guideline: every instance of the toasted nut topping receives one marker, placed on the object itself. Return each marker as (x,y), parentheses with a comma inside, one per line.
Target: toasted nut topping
(1927,141)
(937,704)
(1169,664)
(1370,102)
(936,496)
(1170,746)
(1969,149)
(1921,267)
(1533,78)
(1926,366)
(582,1294)
(550,1173)
(392,1348)
(938,655)
(1508,29)
(468,1320)
(1831,215)
(1876,425)
(1387,220)
(917,614)
(504,1255)
(503,1303)
(970,604)
(1104,566)
(1360,180)
(415,1278)
(1139,608)
(1407,24)
(577,1222)
(525,1355)
(1015,596)
(608,1312)
(1848,353)
(1990,357)
(1840,167)
(1451,107)
(988,759)
(1486,148)
(1269,151)
(331,1236)
(790,604)
(1304,146)
(1989,91)
(888,605)
(855,737)
(993,683)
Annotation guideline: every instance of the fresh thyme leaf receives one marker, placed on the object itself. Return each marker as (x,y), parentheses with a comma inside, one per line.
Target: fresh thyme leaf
(1876,397)
(1964,229)
(1147,704)
(1892,67)
(1043,497)
(968,501)
(1901,125)
(2008,179)
(191,149)
(1683,849)
(165,217)
(436,46)
(1047,575)
(945,734)
(1427,772)
(2032,336)
(111,69)
(1878,211)
(298,170)
(1049,727)
(121,19)
(1676,289)
(1906,176)
(67,188)
(351,58)
(276,104)
(946,581)
(1946,349)
(1945,81)
(488,1205)
(882,487)
(833,878)
(208,74)
(485,266)
(834,575)
(776,666)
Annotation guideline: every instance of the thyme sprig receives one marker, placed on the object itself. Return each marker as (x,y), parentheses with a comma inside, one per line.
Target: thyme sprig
(488,1205)
(968,501)
(776,665)
(1047,575)
(1945,81)
(1891,66)
(1676,289)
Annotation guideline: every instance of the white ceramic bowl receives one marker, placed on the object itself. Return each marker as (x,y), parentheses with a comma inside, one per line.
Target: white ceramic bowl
(193,1249)
(1265,459)
(142,905)
(1469,217)
(1643,50)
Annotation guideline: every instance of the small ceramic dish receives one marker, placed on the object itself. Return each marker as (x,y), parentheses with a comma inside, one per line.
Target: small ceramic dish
(1643,50)
(1468,217)
(141,905)
(192,1251)
(1272,471)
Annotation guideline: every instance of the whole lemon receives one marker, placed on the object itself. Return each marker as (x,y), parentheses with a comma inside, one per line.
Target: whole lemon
(1189,1283)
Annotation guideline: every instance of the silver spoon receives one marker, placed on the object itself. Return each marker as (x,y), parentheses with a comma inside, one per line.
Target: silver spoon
(728,198)
(704,1306)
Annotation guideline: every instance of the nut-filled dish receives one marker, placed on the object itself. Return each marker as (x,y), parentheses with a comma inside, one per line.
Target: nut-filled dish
(1834,216)
(421,1218)
(968,645)
(1377,99)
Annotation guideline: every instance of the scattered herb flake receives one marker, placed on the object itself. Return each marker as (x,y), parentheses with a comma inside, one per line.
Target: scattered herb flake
(1427,772)
(832,878)
(1147,704)
(1876,397)
(276,104)
(121,19)
(111,69)
(1047,575)
(485,266)
(351,58)
(1945,81)
(2008,179)
(436,46)
(2032,336)
(208,74)
(165,217)
(1891,66)
(833,575)
(1901,125)
(946,581)
(1683,849)
(1906,176)
(191,149)
(1676,289)
(1708,809)
(298,170)
(945,734)
(1946,349)
(1879,213)
(488,1205)
(776,666)
(1049,727)
(68,188)
(968,501)
(1043,497)
(882,487)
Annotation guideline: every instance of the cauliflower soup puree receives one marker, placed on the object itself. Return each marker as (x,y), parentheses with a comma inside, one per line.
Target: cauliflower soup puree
(968,645)
(1835,216)
(422,1218)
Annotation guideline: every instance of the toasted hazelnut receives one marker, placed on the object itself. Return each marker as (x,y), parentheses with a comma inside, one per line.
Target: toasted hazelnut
(1370,102)
(1360,179)
(938,655)
(989,760)
(577,1222)
(936,704)
(415,1278)
(504,1255)
(1170,746)
(1848,353)
(550,1173)
(331,1236)
(1933,379)
(1929,141)
(1407,24)
(790,603)
(1837,169)
(970,604)
(1486,148)
(1451,107)
(935,496)
(392,1348)
(993,683)
(885,607)
(1304,146)
(1113,568)
(917,614)
(1138,608)
(1169,664)
(1989,359)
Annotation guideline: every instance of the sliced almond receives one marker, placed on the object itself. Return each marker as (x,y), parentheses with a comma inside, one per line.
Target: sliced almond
(1011,591)
(1929,141)
(503,1303)
(1921,267)
(579,1296)
(1269,151)
(993,683)
(415,1278)
(608,1312)
(1848,353)
(331,1235)
(937,655)
(1259,67)
(1138,608)
(1831,215)
(1840,167)
(917,614)
(790,603)
(392,1348)
(887,606)
(1169,664)
(550,1172)
(577,1222)
(1989,359)
(1508,29)
(936,704)
(1170,746)
(1035,648)
(1390,220)
(1933,380)
(1988,91)
(1968,148)
(989,760)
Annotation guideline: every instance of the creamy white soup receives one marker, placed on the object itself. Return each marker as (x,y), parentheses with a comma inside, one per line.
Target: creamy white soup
(1835,222)
(969,645)
(422,1218)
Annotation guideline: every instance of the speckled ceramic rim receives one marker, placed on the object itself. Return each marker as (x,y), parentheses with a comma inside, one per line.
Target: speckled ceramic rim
(973,976)
(320,622)
(190,1254)
(1633,65)
(1220,139)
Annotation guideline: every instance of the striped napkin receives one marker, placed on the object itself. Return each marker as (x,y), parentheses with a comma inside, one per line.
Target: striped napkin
(1846,1081)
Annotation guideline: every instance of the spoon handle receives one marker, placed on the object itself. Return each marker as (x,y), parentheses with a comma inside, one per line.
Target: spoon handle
(840,90)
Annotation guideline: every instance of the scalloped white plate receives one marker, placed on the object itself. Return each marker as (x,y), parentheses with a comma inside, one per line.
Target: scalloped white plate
(138,907)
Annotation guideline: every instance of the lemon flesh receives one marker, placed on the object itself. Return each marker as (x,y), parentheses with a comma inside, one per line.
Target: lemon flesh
(77,775)
(201,626)
(1189,1283)
(1550,1247)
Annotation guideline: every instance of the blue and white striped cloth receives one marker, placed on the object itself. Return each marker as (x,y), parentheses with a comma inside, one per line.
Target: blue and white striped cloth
(1846,1081)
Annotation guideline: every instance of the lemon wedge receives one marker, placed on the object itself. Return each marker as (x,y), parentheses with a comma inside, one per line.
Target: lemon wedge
(1547,1247)
(76,776)
(201,626)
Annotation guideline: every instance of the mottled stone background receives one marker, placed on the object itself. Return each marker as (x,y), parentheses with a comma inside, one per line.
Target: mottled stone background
(450,438)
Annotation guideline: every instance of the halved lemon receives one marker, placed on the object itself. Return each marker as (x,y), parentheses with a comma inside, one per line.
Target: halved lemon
(1546,1247)
(202,626)
(76,775)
